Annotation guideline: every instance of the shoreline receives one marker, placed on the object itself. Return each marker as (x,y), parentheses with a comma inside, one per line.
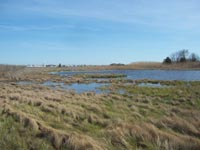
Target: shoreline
(135,66)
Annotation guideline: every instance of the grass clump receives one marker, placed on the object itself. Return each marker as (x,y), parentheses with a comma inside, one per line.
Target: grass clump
(15,136)
(141,118)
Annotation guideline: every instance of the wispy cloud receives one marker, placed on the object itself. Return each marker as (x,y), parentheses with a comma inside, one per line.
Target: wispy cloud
(179,14)
(84,27)
(32,28)
(45,28)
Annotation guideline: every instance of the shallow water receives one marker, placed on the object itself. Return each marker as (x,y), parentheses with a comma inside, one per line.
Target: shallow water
(79,87)
(184,75)
(131,74)
(121,91)
(24,82)
(156,85)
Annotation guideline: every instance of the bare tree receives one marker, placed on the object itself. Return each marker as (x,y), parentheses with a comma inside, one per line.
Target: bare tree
(183,55)
(174,57)
(180,56)
(194,57)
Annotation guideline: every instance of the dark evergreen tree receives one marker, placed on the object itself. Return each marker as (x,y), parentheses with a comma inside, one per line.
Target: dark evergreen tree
(167,60)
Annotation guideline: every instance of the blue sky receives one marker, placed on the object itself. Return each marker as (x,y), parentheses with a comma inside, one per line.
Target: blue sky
(96,31)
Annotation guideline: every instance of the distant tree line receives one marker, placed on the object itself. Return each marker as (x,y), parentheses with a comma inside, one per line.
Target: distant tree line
(181,56)
(117,64)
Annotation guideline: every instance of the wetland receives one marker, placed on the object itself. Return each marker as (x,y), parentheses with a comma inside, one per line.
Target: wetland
(100,110)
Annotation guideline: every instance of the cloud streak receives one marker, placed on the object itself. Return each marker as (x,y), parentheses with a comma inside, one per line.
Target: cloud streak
(143,29)
(33,28)
(179,14)
(45,28)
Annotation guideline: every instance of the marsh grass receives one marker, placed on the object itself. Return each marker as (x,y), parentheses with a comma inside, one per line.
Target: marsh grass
(11,72)
(38,117)
(106,76)
(15,136)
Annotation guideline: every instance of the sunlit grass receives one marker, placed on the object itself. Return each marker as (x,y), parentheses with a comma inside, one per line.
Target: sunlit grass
(140,118)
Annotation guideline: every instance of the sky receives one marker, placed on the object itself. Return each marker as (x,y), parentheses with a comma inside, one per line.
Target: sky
(96,32)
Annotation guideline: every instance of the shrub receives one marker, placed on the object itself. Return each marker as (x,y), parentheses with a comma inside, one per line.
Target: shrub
(167,60)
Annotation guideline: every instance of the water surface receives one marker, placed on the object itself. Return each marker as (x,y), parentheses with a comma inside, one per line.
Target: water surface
(184,75)
(154,85)
(79,87)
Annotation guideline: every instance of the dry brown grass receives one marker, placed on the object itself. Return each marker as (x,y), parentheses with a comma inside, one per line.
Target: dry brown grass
(146,65)
(157,65)
(136,65)
(21,117)
(147,132)
(58,138)
(73,141)
(179,125)
(113,121)
(10,72)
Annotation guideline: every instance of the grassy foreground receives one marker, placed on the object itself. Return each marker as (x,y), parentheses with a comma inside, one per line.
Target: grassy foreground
(40,118)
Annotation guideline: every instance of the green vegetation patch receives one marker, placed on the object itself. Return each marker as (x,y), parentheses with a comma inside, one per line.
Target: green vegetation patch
(15,136)
(101,75)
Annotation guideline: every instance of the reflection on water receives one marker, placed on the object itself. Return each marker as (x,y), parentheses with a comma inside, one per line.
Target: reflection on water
(90,87)
(53,84)
(185,75)
(24,83)
(121,91)
(79,87)
(156,85)
(131,74)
